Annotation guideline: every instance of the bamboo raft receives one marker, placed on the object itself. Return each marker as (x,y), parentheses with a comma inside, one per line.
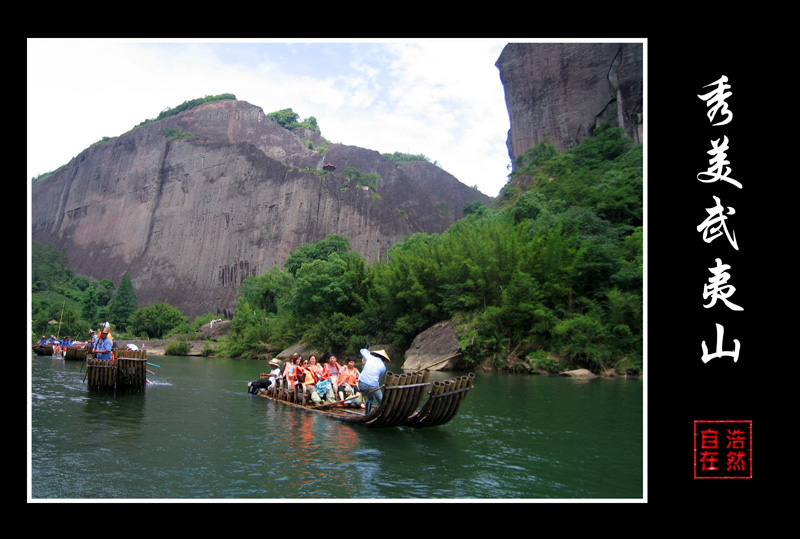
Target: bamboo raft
(46,350)
(77,352)
(402,395)
(126,371)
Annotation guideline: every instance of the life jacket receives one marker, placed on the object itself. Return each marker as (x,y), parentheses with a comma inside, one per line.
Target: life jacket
(317,369)
(346,376)
(306,376)
(327,372)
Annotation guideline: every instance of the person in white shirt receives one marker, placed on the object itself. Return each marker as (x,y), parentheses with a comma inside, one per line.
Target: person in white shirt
(370,378)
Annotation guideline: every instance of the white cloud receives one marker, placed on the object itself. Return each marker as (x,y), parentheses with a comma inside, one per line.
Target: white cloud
(440,98)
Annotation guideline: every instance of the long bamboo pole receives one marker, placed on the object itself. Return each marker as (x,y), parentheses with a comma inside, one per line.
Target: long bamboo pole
(58,333)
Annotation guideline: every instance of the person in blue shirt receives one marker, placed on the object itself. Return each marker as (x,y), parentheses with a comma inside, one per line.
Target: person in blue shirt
(370,378)
(102,348)
(91,340)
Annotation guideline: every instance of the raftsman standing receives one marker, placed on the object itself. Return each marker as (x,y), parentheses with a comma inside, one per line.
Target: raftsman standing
(370,378)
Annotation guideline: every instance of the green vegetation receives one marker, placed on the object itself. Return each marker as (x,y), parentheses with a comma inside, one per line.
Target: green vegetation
(188,105)
(370,180)
(289,119)
(177,348)
(66,304)
(171,133)
(156,320)
(400,158)
(555,269)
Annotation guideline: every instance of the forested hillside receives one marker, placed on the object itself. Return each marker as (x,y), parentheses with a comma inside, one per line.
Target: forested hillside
(556,270)
(552,274)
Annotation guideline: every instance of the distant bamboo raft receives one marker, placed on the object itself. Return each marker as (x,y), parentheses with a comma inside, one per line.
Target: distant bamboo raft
(128,371)
(77,352)
(46,350)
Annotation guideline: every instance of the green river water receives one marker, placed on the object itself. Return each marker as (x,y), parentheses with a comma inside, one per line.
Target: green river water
(196,434)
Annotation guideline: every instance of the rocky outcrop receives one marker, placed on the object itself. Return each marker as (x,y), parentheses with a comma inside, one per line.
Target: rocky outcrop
(579,373)
(436,348)
(560,92)
(190,218)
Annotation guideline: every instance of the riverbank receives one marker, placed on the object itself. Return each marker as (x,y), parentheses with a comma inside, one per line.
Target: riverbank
(210,335)
(157,347)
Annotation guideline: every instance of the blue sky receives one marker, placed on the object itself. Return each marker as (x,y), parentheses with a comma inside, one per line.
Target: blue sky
(438,97)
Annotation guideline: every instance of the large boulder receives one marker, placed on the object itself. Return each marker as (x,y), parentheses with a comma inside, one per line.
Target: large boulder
(579,373)
(436,349)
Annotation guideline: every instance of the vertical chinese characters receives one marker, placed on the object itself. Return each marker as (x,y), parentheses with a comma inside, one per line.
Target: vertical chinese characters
(715,225)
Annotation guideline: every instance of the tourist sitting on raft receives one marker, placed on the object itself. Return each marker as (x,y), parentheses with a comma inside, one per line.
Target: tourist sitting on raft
(348,383)
(286,378)
(268,381)
(314,367)
(330,374)
(297,380)
(287,381)
(307,382)
(65,343)
(55,343)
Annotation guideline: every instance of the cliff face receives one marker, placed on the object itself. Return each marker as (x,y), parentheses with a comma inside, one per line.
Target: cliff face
(190,219)
(559,92)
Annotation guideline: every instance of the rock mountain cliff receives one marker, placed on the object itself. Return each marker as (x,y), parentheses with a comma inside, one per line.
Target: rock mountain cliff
(190,219)
(560,92)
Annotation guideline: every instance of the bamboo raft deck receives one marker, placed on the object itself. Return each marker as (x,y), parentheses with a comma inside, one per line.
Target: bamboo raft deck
(402,395)
(127,371)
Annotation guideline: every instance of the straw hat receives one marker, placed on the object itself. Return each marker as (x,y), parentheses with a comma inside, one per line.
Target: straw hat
(381,354)
(274,361)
